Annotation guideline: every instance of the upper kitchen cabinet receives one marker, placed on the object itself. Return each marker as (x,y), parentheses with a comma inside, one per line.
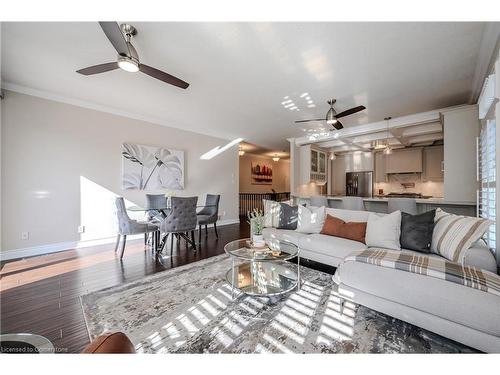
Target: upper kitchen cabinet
(433,164)
(313,164)
(407,160)
(380,161)
(461,129)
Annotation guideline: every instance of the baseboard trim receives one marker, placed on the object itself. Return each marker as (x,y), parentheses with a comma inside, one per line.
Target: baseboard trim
(69,245)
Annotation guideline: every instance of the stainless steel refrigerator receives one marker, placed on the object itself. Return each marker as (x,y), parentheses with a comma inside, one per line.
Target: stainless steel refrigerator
(359,184)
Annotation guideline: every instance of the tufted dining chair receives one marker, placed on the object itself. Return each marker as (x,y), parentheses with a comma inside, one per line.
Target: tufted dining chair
(127,226)
(209,215)
(180,221)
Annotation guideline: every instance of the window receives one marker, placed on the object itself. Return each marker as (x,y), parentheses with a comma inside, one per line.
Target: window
(487,177)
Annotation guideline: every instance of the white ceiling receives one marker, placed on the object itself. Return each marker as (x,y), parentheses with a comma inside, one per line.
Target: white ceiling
(240,73)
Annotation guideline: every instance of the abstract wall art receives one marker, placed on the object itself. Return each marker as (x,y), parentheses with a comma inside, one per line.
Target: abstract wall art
(152,168)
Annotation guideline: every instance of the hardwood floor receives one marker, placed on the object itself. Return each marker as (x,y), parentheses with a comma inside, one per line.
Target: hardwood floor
(41,295)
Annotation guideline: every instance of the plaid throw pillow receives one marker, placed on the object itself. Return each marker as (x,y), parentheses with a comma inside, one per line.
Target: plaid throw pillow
(453,234)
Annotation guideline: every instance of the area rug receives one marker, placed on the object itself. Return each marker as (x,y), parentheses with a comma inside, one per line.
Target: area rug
(190,310)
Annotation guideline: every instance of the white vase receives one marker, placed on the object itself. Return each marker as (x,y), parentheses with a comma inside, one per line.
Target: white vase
(258,239)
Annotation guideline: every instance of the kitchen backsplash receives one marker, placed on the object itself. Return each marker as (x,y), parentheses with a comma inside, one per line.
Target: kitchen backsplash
(394,185)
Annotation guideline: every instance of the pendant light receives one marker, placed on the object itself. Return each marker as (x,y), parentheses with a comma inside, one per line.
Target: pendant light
(241,152)
(333,156)
(388,148)
(276,157)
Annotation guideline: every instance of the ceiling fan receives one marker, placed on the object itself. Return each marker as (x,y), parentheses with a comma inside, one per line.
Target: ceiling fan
(128,59)
(332,116)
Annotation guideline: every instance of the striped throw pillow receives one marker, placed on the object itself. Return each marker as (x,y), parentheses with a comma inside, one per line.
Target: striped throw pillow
(453,234)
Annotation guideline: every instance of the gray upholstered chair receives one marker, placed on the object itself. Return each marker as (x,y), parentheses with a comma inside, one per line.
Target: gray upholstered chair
(209,215)
(158,201)
(408,205)
(127,226)
(180,221)
(318,201)
(353,203)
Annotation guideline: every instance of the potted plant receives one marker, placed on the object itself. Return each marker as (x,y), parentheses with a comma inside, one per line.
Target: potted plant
(256,221)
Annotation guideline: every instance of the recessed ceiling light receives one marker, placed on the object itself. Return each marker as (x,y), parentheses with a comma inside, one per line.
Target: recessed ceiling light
(308,98)
(311,106)
(286,101)
(303,94)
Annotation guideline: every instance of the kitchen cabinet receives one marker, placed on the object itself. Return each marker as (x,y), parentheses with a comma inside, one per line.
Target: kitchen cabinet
(408,160)
(318,161)
(312,165)
(433,158)
(380,167)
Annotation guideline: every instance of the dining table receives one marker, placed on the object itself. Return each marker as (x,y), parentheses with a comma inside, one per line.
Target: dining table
(164,211)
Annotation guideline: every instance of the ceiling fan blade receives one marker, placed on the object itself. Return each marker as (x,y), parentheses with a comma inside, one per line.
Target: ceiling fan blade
(338,125)
(316,119)
(96,69)
(350,111)
(115,36)
(162,76)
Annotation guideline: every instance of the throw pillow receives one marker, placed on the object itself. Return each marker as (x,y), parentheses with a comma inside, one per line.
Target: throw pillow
(288,216)
(311,219)
(416,231)
(271,213)
(453,234)
(352,230)
(384,231)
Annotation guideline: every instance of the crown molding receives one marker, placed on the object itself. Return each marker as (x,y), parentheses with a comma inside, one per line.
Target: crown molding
(98,107)
(487,56)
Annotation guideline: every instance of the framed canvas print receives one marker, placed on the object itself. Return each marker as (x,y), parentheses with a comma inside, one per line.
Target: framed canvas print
(152,168)
(262,173)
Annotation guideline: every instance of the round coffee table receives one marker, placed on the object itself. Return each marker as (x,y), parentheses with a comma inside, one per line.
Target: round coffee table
(264,271)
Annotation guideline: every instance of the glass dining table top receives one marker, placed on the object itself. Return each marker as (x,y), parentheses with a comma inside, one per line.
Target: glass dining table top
(166,208)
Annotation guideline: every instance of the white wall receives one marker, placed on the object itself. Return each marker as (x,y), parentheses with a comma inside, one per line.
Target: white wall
(61,168)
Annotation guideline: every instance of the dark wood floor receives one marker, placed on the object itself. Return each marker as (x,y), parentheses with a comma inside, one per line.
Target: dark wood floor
(41,295)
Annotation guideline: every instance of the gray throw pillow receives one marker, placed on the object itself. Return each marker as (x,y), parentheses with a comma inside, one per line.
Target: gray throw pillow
(416,231)
(288,216)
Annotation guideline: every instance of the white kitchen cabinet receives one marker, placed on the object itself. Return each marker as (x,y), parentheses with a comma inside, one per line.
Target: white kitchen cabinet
(408,160)
(433,164)
(380,167)
(312,164)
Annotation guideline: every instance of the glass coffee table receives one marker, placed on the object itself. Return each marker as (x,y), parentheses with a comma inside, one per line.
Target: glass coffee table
(264,271)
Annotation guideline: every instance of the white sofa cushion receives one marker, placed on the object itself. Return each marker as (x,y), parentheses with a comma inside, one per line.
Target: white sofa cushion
(384,231)
(272,212)
(283,235)
(348,215)
(311,219)
(329,245)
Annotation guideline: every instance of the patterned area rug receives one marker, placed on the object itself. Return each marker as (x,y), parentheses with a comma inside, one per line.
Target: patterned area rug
(189,310)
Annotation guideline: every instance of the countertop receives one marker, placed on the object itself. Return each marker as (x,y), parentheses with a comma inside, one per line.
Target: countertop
(442,201)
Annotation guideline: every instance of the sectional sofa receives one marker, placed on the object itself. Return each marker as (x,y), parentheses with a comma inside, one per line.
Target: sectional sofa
(459,312)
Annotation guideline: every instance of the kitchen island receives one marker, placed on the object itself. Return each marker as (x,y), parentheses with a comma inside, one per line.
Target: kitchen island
(379,204)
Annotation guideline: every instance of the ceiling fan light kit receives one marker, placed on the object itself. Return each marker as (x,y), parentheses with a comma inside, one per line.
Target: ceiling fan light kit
(128,64)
